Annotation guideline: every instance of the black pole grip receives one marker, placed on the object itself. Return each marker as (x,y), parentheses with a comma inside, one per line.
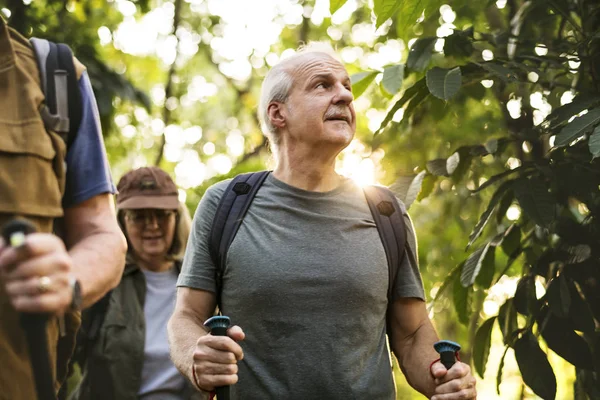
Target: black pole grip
(34,324)
(447,350)
(218,326)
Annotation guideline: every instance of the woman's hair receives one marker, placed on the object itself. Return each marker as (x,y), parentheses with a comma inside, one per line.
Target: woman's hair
(183,225)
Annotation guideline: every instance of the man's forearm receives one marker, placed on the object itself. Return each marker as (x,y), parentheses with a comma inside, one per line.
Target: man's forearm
(184,332)
(98,262)
(415,353)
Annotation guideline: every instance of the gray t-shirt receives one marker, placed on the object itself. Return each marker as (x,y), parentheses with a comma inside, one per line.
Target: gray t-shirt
(160,378)
(306,278)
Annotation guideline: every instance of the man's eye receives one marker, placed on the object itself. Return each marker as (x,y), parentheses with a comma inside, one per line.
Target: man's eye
(321,85)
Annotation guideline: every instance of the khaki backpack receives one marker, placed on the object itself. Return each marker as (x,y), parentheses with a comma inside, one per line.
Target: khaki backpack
(32,182)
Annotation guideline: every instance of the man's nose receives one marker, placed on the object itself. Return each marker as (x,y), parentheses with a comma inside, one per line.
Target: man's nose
(343,95)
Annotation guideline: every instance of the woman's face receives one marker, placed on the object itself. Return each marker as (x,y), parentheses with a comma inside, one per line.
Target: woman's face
(150,232)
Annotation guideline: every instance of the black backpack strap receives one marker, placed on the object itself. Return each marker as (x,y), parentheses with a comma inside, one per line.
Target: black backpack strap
(229,216)
(63,109)
(389,220)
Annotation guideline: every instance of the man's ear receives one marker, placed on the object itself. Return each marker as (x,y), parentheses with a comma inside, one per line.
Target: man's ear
(276,114)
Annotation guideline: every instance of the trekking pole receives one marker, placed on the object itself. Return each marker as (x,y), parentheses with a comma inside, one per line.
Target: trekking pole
(218,327)
(447,351)
(34,324)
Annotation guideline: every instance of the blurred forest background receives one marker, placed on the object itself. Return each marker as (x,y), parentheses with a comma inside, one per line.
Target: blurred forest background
(483,116)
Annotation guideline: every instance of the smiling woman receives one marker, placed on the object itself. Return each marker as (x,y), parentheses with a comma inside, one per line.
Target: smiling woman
(156,226)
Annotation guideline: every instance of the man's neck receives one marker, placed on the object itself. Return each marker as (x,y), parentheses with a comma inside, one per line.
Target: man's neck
(306,172)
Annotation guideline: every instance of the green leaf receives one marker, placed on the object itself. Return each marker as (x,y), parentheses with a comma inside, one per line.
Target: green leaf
(535,200)
(449,280)
(562,339)
(580,312)
(458,45)
(594,142)
(335,5)
(409,94)
(407,188)
(384,10)
(579,126)
(559,297)
(444,83)
(481,347)
(361,81)
(393,76)
(500,369)
(485,217)
(505,204)
(534,366)
(420,53)
(407,11)
(452,162)
(507,320)
(427,186)
(488,269)
(462,300)
(437,167)
(499,177)
(563,113)
(473,266)
(512,240)
(506,74)
(524,295)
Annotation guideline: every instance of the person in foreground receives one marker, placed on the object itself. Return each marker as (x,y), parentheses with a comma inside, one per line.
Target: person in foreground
(306,276)
(131,322)
(48,274)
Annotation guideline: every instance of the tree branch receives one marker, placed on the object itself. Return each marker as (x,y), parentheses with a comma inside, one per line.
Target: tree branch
(166,114)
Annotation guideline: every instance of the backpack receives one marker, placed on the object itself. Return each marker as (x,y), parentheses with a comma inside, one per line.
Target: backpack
(240,192)
(62,110)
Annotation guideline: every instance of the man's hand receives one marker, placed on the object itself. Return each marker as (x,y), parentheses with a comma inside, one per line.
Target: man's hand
(457,383)
(37,275)
(216,357)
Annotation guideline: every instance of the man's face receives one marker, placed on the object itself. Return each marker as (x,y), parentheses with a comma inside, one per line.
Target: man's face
(319,108)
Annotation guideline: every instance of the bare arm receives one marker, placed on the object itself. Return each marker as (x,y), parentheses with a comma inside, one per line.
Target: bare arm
(412,337)
(96,245)
(185,327)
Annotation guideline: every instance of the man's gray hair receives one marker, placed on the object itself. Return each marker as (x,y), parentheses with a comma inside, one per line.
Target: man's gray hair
(278,83)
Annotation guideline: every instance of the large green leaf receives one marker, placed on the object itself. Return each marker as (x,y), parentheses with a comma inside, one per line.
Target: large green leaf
(559,297)
(504,205)
(535,200)
(459,44)
(563,113)
(385,9)
(420,53)
(444,83)
(562,339)
(580,312)
(594,142)
(488,269)
(473,266)
(500,176)
(453,162)
(335,5)
(579,126)
(393,76)
(512,240)
(481,347)
(407,188)
(500,370)
(462,300)
(534,366)
(361,81)
(449,281)
(409,94)
(485,217)
(525,295)
(427,186)
(507,320)
(437,167)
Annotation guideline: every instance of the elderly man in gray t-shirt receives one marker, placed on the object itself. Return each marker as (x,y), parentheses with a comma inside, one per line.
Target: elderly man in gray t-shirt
(306,277)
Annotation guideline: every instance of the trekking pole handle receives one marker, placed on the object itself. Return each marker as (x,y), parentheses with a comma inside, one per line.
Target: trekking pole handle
(218,326)
(34,324)
(447,350)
